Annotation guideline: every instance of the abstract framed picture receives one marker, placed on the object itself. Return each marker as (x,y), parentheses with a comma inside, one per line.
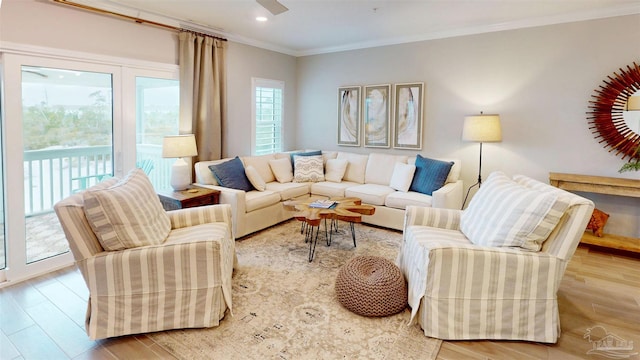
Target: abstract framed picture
(377,115)
(349,115)
(407,116)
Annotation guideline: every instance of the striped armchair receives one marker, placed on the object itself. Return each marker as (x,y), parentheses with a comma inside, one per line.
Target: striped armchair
(459,290)
(184,282)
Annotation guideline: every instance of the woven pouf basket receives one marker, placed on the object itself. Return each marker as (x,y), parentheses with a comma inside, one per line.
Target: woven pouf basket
(371,286)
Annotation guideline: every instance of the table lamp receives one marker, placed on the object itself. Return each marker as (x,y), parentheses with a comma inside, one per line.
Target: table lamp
(481,128)
(179,146)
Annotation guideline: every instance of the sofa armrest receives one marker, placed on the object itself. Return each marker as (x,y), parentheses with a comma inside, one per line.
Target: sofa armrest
(433,217)
(201,215)
(236,198)
(449,196)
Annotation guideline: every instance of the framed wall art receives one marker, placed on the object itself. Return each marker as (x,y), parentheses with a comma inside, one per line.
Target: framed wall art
(377,127)
(349,115)
(407,117)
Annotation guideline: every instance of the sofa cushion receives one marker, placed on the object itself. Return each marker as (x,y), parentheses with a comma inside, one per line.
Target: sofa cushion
(290,190)
(331,189)
(303,153)
(380,168)
(335,169)
(430,175)
(356,168)
(255,200)
(231,174)
(128,214)
(308,168)
(372,194)
(261,164)
(282,169)
(402,176)
(505,213)
(254,178)
(400,200)
(328,155)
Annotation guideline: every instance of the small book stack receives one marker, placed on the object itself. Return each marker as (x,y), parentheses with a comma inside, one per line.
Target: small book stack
(323,204)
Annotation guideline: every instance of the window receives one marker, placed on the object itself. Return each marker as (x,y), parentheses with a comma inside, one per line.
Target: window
(267,111)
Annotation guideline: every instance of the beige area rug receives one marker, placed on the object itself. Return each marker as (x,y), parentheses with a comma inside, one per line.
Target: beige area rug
(286,308)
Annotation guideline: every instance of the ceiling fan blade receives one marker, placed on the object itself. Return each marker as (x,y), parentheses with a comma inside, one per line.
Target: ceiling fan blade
(273,6)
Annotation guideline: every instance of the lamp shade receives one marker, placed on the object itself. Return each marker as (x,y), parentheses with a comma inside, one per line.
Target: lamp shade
(633,103)
(482,128)
(177,146)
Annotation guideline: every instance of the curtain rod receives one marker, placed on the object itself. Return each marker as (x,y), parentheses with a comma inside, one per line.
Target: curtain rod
(137,20)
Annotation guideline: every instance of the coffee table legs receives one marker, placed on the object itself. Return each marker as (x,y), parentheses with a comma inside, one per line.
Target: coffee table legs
(311,233)
(312,238)
(334,228)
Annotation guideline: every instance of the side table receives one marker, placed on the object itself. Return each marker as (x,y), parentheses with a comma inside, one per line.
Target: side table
(192,197)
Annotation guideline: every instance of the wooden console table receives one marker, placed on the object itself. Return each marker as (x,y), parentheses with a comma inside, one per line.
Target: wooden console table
(601,185)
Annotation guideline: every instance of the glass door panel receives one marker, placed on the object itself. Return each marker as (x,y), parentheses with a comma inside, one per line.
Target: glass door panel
(157,114)
(67,119)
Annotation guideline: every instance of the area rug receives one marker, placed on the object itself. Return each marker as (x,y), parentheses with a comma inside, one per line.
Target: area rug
(285,307)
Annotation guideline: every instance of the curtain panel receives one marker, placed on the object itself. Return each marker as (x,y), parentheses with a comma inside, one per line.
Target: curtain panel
(202,92)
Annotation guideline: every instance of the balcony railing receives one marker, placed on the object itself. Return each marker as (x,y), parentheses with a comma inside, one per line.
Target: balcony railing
(53,174)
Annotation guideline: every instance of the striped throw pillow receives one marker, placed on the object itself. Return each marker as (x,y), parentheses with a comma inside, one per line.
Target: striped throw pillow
(504,213)
(308,168)
(128,214)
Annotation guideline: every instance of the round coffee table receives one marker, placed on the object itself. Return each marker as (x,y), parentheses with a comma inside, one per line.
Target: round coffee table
(349,209)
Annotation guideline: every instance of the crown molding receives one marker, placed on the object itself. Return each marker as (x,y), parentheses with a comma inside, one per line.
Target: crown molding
(622,10)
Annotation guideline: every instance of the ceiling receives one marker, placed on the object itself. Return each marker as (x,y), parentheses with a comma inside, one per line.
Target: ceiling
(315,26)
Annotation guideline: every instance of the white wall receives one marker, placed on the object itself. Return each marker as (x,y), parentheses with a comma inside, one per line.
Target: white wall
(539,80)
(45,23)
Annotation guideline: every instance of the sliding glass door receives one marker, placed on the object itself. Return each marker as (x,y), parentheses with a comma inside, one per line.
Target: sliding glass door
(67,125)
(67,132)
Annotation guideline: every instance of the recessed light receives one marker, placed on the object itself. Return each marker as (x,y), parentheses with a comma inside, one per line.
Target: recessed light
(261,18)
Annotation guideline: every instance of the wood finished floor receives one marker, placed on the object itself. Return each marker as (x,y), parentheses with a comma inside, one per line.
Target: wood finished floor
(43,318)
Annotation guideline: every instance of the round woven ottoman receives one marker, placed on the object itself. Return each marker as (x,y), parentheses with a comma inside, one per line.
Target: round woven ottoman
(371,286)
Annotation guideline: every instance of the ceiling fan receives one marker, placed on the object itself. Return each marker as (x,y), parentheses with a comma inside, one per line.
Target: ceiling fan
(273,6)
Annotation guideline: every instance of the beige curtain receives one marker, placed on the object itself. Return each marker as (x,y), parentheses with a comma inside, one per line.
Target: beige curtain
(202,92)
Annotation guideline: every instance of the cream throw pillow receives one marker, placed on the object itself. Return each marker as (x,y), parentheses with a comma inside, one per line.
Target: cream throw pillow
(335,169)
(308,168)
(282,170)
(254,178)
(402,176)
(128,214)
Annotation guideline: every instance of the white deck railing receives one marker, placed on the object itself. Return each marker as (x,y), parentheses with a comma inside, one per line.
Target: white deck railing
(53,174)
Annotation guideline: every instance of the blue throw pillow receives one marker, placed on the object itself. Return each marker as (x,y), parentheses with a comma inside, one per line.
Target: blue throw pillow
(231,174)
(308,153)
(430,175)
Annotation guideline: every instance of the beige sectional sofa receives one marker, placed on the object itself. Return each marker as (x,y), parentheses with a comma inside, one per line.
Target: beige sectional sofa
(367,176)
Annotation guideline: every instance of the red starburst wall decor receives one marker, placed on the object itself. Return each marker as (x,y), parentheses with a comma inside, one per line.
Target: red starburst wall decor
(606,118)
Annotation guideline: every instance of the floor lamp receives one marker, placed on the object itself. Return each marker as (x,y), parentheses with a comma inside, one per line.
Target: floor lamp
(481,128)
(179,146)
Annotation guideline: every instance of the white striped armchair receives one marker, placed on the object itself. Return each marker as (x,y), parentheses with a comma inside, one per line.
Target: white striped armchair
(183,282)
(461,290)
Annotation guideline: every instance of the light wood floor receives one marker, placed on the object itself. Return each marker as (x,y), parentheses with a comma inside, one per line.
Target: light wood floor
(43,318)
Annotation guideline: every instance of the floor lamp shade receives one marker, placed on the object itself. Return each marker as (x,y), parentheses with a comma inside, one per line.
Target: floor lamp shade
(482,128)
(179,146)
(633,103)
